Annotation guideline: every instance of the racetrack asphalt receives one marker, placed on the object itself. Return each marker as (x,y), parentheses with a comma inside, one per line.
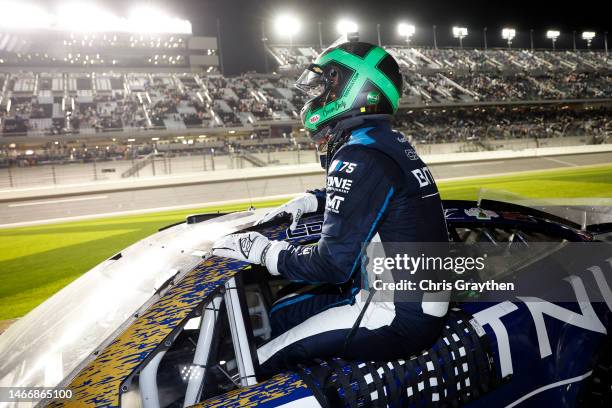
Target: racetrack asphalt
(41,210)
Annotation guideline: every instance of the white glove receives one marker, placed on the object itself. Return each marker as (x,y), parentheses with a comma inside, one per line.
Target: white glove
(297,207)
(250,247)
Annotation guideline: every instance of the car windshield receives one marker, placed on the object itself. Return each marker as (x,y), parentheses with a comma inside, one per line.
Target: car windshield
(51,342)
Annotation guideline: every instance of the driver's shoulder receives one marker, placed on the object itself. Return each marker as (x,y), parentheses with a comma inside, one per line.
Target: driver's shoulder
(367,157)
(360,158)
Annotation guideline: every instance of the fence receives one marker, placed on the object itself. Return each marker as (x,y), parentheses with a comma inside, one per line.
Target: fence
(154,165)
(171,164)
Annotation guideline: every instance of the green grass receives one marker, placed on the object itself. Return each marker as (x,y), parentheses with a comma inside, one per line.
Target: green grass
(37,261)
(577,182)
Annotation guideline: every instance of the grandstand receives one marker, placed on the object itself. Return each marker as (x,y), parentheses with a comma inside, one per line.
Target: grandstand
(89,102)
(464,76)
(85,103)
(94,101)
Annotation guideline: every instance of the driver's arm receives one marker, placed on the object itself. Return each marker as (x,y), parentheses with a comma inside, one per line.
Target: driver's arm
(320,194)
(359,189)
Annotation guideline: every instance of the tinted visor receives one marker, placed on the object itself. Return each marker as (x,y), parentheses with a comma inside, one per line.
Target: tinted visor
(311,82)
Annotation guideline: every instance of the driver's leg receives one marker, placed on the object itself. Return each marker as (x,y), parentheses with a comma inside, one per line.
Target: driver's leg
(324,334)
(304,302)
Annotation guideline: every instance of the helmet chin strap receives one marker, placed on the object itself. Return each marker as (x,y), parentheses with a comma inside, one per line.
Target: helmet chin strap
(323,137)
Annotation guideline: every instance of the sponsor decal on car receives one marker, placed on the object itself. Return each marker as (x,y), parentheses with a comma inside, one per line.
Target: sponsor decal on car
(314,119)
(511,215)
(305,230)
(586,320)
(451,214)
(481,214)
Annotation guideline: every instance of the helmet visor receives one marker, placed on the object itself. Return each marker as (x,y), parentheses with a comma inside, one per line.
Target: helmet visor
(311,82)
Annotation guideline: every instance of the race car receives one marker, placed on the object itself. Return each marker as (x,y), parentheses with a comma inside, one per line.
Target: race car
(165,324)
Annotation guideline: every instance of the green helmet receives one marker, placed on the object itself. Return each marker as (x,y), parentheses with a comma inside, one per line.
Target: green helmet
(351,79)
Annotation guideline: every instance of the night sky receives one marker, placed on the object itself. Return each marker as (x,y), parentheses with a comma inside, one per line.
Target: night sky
(241,21)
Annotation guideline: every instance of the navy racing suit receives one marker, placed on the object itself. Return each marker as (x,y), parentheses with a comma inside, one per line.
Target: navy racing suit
(378,190)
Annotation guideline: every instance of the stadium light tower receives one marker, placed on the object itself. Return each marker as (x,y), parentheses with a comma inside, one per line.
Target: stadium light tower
(287,25)
(588,37)
(435,38)
(484,36)
(346,27)
(508,34)
(553,35)
(406,31)
(460,33)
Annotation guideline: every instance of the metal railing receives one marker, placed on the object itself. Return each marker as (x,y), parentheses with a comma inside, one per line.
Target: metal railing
(23,174)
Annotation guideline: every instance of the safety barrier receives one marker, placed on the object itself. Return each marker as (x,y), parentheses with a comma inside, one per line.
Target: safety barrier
(270,172)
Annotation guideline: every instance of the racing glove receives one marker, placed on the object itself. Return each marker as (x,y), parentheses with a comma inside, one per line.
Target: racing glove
(250,247)
(297,207)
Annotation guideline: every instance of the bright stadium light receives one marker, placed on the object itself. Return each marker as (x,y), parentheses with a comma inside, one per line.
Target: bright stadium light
(553,35)
(287,25)
(16,15)
(460,33)
(508,34)
(588,37)
(144,19)
(406,31)
(87,17)
(345,27)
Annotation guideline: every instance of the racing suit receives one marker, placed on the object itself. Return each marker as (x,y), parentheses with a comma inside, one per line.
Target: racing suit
(378,190)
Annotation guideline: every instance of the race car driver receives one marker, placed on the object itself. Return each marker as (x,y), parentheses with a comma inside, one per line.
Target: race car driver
(378,190)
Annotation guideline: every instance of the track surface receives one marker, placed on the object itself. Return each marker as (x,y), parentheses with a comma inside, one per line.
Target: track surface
(102,203)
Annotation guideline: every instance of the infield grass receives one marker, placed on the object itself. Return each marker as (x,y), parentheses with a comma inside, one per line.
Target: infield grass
(37,261)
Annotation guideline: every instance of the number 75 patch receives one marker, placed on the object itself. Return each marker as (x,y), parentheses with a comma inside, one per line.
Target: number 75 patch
(342,166)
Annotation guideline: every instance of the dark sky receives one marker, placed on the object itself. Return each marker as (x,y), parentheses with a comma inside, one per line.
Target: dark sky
(241,21)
